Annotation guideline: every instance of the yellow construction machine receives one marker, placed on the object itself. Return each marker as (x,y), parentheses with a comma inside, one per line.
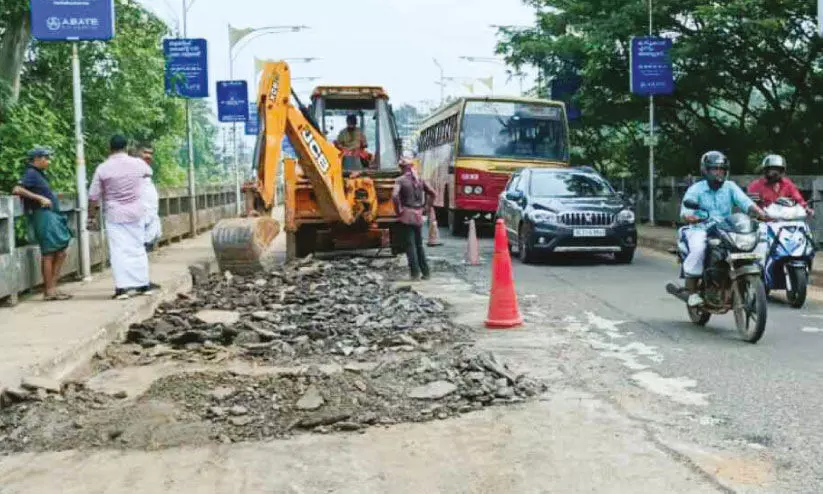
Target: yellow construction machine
(335,199)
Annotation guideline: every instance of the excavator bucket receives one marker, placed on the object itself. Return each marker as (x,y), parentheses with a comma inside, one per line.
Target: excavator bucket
(240,244)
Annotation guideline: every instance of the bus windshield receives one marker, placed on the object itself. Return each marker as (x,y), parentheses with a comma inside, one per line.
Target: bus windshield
(501,129)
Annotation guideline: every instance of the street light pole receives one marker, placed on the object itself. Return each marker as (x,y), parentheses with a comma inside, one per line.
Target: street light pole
(442,82)
(651,134)
(190,140)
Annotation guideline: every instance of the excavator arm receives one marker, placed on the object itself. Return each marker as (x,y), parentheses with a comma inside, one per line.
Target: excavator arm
(240,243)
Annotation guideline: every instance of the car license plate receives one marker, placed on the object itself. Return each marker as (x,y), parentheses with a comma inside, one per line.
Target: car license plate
(738,256)
(590,232)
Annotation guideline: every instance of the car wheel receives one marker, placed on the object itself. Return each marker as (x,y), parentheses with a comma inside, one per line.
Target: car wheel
(524,251)
(625,256)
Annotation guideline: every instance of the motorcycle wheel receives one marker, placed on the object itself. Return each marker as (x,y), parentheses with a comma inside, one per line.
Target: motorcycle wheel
(699,317)
(800,281)
(750,319)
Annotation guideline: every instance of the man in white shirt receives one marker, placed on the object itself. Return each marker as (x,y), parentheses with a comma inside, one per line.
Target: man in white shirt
(151,204)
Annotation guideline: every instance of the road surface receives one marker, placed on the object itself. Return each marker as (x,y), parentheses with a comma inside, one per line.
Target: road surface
(757,408)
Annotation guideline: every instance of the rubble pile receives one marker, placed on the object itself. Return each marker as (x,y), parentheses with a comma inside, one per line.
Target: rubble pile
(232,407)
(340,307)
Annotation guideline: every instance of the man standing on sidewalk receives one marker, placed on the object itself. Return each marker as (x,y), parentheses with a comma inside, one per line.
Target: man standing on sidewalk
(151,199)
(410,196)
(49,225)
(118,183)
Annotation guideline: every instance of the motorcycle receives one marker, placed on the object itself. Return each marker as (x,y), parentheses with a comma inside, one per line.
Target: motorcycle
(787,250)
(732,277)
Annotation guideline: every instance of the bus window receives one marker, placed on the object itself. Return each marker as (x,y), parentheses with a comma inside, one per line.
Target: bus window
(514,130)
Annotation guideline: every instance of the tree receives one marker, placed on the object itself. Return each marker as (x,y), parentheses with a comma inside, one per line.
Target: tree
(747,72)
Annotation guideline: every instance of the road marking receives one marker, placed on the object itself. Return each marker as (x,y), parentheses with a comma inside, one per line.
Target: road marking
(675,388)
(812,330)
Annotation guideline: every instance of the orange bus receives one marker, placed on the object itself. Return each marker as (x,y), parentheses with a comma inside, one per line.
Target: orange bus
(468,149)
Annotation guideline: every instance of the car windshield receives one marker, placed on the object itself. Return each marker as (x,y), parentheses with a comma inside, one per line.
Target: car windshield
(514,130)
(569,184)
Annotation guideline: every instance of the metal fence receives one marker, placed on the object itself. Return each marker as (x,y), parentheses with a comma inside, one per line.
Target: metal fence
(669,192)
(20,265)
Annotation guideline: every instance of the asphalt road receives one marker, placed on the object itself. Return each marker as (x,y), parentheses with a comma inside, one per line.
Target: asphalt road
(763,400)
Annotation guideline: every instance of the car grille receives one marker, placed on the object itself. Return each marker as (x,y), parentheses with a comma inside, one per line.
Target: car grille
(586,218)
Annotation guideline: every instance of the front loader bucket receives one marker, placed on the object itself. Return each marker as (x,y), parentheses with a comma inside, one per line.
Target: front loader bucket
(239,243)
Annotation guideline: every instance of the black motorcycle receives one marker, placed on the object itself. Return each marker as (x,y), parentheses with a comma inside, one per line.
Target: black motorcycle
(732,277)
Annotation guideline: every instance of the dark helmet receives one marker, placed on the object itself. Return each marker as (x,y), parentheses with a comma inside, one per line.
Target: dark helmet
(712,161)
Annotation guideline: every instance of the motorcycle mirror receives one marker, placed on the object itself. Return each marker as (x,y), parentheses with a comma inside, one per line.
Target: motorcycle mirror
(691,204)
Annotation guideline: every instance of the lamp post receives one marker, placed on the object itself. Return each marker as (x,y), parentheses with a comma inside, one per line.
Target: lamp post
(442,81)
(187,4)
(235,36)
(651,135)
(520,75)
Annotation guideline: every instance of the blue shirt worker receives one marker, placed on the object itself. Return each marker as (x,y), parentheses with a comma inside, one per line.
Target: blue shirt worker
(48,223)
(717,198)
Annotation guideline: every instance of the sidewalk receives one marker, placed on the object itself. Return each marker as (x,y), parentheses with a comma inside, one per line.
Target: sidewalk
(53,339)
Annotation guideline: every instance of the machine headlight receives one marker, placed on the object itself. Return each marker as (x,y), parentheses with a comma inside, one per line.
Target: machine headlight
(467,189)
(478,189)
(744,241)
(540,216)
(625,216)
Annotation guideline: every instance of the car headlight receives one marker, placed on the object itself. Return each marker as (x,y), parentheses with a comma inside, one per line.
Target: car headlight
(467,189)
(744,241)
(540,216)
(625,216)
(478,189)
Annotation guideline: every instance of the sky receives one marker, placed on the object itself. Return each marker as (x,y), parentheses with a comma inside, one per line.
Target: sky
(390,43)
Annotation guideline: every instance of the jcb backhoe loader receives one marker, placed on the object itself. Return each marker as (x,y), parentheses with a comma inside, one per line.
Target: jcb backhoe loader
(326,206)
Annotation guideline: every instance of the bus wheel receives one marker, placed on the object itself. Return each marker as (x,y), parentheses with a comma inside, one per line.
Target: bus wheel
(457,226)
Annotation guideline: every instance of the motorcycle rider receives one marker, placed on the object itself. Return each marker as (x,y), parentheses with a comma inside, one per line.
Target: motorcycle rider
(774,184)
(717,198)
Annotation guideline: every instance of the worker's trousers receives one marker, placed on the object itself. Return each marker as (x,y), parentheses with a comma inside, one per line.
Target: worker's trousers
(414,250)
(695,260)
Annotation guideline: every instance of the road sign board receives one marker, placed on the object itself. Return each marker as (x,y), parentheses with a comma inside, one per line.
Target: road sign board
(232,101)
(564,89)
(650,66)
(75,20)
(187,73)
(253,123)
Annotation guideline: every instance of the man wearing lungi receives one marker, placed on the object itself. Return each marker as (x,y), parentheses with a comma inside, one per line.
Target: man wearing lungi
(48,223)
(118,183)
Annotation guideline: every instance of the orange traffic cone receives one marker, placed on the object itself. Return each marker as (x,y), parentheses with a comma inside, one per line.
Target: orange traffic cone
(503,309)
(434,232)
(473,251)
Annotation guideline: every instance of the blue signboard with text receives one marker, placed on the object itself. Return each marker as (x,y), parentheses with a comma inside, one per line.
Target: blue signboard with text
(564,89)
(72,20)
(650,65)
(187,72)
(253,123)
(232,101)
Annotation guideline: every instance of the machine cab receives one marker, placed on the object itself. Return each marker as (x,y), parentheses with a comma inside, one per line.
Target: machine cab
(331,105)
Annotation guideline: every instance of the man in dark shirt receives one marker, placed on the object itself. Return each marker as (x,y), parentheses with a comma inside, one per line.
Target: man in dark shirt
(410,196)
(49,225)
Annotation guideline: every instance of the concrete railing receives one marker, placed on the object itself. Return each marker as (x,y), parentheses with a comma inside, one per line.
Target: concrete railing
(20,265)
(669,193)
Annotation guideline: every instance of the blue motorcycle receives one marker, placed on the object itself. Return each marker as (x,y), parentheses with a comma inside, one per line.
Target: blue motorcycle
(787,250)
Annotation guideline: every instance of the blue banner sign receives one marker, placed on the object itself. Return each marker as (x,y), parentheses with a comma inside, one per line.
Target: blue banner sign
(232,101)
(253,123)
(74,20)
(187,72)
(564,89)
(650,65)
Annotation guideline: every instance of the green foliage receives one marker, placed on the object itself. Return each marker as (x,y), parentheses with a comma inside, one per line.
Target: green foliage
(123,93)
(748,76)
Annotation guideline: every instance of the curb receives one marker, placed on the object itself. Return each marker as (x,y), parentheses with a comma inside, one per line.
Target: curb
(72,360)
